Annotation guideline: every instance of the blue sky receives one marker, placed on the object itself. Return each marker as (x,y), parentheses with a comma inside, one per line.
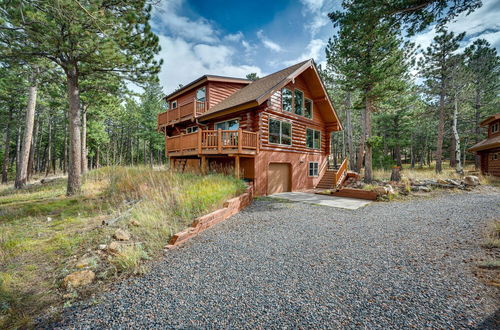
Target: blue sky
(234,38)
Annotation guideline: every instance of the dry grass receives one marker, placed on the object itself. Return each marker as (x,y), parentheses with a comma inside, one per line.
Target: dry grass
(43,233)
(492,240)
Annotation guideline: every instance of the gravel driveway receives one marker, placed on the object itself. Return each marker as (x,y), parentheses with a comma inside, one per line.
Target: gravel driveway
(278,264)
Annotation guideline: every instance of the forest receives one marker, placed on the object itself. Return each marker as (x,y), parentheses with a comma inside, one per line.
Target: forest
(79,86)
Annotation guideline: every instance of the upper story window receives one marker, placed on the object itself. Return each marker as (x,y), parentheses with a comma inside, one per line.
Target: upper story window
(174,104)
(495,127)
(201,94)
(494,156)
(308,108)
(191,129)
(280,132)
(313,138)
(286,99)
(299,102)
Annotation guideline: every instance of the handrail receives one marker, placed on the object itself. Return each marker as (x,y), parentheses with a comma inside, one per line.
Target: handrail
(341,173)
(184,111)
(213,141)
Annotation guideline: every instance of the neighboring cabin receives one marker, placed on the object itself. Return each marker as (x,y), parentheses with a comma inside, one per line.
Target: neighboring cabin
(274,132)
(489,149)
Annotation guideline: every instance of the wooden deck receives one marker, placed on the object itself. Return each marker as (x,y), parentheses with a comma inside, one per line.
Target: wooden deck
(213,142)
(183,112)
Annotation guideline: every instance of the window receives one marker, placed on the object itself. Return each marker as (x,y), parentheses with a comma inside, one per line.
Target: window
(174,104)
(200,94)
(313,139)
(299,102)
(286,100)
(280,132)
(192,129)
(232,124)
(494,156)
(308,108)
(313,169)
(494,128)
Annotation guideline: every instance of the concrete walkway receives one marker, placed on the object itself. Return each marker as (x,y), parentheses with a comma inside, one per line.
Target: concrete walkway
(332,201)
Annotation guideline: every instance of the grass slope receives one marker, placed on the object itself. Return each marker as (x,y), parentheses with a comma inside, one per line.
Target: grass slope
(44,234)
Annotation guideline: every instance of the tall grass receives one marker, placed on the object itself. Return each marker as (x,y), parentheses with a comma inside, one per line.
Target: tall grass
(43,233)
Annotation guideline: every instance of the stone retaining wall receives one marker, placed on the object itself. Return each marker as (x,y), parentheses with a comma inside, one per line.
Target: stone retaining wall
(231,207)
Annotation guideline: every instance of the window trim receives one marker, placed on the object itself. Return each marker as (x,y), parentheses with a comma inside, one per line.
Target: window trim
(223,121)
(313,130)
(303,99)
(495,126)
(494,156)
(172,103)
(196,94)
(309,170)
(312,107)
(292,100)
(269,134)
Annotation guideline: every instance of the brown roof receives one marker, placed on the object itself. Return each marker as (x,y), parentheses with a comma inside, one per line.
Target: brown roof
(257,89)
(490,119)
(490,143)
(202,79)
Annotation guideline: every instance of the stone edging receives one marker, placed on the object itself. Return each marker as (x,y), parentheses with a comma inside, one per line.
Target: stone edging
(231,207)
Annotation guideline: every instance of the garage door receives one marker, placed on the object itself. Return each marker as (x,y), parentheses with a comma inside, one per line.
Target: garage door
(278,178)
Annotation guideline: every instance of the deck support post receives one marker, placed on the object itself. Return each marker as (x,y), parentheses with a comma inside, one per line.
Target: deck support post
(199,141)
(240,138)
(237,167)
(203,165)
(171,163)
(219,140)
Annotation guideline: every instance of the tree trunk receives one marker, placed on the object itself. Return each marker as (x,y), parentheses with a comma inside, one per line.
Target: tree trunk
(22,170)
(362,141)
(97,164)
(18,147)
(453,159)
(6,152)
(477,128)
(350,148)
(84,141)
(49,149)
(457,138)
(368,146)
(31,159)
(75,161)
(440,135)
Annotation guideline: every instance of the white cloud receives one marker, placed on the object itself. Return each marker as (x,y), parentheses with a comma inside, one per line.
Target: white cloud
(268,43)
(313,50)
(316,14)
(166,17)
(235,37)
(185,61)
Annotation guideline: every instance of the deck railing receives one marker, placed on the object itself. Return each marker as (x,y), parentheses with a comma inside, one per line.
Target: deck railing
(184,111)
(213,142)
(341,173)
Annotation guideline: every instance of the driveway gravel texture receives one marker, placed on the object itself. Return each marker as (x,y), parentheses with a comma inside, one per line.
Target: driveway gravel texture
(293,265)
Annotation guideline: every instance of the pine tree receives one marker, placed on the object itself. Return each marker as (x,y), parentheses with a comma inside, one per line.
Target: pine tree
(369,52)
(82,37)
(436,68)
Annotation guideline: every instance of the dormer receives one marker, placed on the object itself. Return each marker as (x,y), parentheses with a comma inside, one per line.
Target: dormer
(198,97)
(493,123)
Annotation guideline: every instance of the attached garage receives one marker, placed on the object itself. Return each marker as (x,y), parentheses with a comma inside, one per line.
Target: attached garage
(278,178)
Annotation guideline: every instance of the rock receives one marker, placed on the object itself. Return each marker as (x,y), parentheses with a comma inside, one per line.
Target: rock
(115,247)
(380,191)
(134,223)
(389,190)
(49,219)
(77,279)
(471,180)
(103,246)
(441,181)
(453,182)
(121,235)
(420,188)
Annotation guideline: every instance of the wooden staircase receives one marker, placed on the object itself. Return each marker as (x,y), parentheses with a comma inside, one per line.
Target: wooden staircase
(328,180)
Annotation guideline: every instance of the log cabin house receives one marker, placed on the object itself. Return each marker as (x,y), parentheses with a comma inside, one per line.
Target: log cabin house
(274,132)
(489,149)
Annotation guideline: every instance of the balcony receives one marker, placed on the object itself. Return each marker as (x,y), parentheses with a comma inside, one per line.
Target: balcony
(185,111)
(213,142)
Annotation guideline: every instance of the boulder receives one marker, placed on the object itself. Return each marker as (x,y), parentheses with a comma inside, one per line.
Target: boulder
(121,235)
(420,188)
(77,279)
(471,180)
(380,191)
(441,181)
(115,247)
(389,190)
(453,182)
